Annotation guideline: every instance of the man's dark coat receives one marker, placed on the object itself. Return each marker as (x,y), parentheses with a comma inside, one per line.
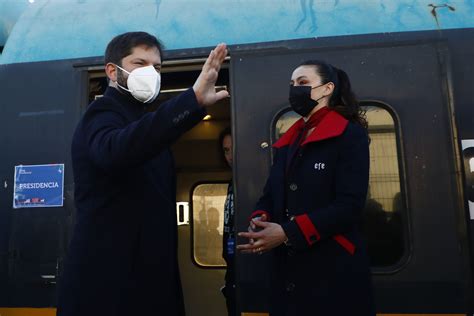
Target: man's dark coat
(122,259)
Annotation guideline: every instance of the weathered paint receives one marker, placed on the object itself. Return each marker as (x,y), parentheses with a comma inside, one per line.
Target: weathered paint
(61,29)
(10,11)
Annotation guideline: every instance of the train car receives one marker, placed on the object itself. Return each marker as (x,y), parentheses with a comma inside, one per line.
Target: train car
(410,63)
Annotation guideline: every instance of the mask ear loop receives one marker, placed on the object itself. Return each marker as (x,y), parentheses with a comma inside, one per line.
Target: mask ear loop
(321,86)
(318,87)
(317,101)
(116,82)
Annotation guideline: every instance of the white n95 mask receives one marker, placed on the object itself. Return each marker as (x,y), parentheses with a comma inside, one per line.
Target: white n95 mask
(143,83)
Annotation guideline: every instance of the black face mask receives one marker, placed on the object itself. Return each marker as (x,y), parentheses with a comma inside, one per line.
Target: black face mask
(300,99)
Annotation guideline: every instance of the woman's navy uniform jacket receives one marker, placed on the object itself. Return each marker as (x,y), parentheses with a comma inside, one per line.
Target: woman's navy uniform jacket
(122,259)
(324,268)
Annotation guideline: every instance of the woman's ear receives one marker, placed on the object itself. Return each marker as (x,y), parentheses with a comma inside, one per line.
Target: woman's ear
(329,88)
(111,71)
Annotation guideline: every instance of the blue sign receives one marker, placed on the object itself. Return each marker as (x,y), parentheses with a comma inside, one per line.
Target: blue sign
(39,186)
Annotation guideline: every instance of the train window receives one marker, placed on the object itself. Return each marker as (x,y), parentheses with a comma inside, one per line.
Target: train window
(284,122)
(208,213)
(385,207)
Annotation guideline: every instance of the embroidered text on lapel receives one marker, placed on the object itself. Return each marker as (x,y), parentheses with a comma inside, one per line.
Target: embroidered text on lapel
(320,166)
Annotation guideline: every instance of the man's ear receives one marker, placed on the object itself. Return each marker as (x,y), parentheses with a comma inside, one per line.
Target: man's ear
(111,71)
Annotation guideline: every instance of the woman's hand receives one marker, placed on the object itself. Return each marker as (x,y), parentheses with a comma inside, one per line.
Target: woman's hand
(252,226)
(271,236)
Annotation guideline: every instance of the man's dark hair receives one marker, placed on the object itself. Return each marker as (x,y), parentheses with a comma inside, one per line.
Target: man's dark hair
(226,131)
(122,45)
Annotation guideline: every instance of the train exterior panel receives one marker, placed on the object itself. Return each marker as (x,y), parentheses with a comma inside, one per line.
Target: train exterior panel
(410,63)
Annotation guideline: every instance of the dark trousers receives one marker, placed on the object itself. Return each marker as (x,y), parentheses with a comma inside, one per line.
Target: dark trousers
(229,294)
(229,290)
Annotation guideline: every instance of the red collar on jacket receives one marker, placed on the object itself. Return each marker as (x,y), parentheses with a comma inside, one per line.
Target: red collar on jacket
(332,125)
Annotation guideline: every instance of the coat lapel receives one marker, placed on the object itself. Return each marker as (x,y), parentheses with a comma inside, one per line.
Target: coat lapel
(289,135)
(332,125)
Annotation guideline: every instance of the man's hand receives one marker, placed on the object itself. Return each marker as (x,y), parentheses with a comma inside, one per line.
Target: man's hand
(204,87)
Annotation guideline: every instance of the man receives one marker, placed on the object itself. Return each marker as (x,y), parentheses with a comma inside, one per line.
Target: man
(122,258)
(228,247)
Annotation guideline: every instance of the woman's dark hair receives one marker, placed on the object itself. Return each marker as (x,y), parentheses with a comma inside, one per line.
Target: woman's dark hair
(343,99)
(122,45)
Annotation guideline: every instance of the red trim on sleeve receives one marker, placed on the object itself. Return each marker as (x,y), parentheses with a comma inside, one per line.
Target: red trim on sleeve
(257,213)
(345,243)
(306,226)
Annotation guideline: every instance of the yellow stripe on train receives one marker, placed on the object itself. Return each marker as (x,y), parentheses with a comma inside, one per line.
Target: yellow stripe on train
(27,311)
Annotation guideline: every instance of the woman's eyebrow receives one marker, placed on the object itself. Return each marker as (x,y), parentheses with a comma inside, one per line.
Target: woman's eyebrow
(301,77)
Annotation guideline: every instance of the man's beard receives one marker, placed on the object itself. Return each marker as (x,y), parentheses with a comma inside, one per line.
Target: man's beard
(121,80)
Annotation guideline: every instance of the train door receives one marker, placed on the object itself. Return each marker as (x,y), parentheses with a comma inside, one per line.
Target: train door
(414,221)
(40,108)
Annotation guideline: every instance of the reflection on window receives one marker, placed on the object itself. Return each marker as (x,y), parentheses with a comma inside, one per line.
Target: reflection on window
(284,123)
(385,204)
(208,215)
(382,222)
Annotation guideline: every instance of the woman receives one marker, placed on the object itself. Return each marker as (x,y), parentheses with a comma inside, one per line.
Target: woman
(312,202)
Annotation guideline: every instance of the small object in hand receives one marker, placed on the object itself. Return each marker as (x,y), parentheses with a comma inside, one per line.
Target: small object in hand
(253,227)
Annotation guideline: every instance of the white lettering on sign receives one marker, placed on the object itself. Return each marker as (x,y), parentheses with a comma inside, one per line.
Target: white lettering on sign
(38,185)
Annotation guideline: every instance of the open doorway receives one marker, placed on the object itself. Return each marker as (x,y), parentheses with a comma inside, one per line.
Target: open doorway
(202,179)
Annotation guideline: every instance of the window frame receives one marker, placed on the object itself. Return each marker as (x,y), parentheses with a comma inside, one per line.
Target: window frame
(191,224)
(405,214)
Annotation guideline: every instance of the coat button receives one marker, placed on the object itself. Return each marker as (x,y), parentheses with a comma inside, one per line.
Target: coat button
(293,187)
(290,287)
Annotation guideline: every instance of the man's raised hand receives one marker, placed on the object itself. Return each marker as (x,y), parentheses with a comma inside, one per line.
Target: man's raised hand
(204,87)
